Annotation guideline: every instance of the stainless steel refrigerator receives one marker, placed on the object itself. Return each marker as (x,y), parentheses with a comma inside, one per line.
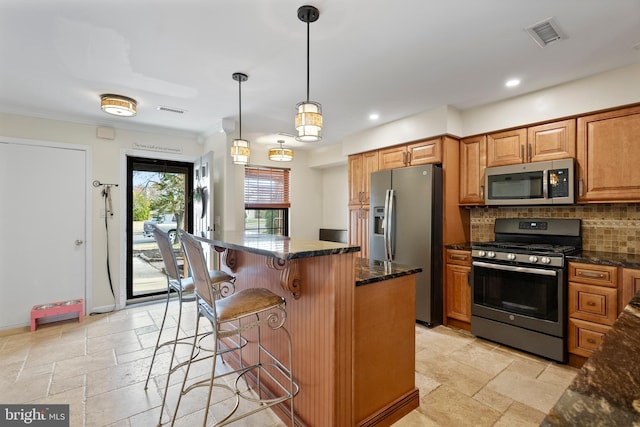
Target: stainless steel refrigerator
(406,227)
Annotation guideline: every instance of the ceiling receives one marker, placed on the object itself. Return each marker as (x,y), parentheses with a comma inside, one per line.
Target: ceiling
(392,58)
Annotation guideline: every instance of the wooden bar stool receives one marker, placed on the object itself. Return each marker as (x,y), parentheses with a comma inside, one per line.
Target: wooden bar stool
(231,316)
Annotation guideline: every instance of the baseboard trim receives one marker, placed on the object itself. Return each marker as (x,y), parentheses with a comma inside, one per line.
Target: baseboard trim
(393,411)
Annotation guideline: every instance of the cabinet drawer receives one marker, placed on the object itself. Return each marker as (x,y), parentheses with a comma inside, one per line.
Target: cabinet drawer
(594,274)
(458,256)
(593,303)
(585,337)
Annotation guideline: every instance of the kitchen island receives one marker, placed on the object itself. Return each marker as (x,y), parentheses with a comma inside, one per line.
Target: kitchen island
(352,324)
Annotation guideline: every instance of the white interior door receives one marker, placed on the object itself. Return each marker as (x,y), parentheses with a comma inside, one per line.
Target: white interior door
(42,224)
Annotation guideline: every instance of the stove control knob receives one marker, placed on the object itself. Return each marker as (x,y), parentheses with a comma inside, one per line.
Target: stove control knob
(511,257)
(533,258)
(491,254)
(545,260)
(482,253)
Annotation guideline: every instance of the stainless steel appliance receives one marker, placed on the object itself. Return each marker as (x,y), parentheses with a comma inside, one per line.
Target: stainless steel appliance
(406,227)
(538,183)
(519,284)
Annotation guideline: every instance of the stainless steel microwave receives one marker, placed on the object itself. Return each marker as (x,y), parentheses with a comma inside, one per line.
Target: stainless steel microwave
(538,183)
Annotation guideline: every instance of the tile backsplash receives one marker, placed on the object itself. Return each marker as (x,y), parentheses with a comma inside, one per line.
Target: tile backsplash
(605,227)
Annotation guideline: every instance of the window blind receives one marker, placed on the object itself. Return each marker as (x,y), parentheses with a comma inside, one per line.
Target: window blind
(266,188)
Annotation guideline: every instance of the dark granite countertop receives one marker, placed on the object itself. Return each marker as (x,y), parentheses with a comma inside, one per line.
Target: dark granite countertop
(371,271)
(276,246)
(462,246)
(607,258)
(588,257)
(606,391)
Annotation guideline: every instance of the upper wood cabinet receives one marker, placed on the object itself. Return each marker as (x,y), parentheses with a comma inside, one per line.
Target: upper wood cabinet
(608,149)
(417,153)
(473,161)
(548,141)
(360,167)
(506,148)
(552,141)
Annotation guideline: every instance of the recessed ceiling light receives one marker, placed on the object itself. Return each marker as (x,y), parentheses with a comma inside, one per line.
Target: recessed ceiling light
(374,116)
(512,83)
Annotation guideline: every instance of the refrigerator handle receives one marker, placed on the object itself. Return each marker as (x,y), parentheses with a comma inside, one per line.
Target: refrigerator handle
(390,222)
(385,225)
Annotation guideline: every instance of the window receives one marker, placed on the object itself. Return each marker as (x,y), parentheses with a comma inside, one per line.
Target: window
(266,200)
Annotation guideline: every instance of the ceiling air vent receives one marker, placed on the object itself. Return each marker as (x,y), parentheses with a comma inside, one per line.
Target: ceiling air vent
(171,109)
(545,32)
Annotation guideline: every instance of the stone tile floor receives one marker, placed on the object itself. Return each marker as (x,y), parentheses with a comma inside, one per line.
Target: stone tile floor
(99,366)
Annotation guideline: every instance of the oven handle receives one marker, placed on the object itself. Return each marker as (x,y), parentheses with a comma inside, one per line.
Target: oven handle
(538,271)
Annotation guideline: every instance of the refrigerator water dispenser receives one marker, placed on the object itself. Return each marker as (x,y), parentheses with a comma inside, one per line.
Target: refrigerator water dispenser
(378,220)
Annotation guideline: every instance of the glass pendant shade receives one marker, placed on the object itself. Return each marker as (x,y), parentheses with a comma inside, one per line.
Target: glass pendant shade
(280,154)
(240,151)
(118,105)
(309,121)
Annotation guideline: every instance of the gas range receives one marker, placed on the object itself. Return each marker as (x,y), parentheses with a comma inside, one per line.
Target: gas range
(543,242)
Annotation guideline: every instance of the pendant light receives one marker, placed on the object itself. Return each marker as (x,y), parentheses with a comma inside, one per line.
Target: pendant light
(309,116)
(280,154)
(240,150)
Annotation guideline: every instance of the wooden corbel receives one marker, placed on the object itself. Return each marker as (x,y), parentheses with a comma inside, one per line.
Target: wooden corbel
(229,257)
(289,278)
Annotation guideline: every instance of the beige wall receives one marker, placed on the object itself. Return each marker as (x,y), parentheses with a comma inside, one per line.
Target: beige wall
(107,156)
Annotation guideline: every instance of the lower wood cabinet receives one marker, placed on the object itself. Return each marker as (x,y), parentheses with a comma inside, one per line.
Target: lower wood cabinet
(585,337)
(593,307)
(630,285)
(593,303)
(457,288)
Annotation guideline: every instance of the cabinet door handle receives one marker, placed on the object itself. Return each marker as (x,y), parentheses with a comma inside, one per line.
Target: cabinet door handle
(408,158)
(458,257)
(587,274)
(530,151)
(591,304)
(591,341)
(580,187)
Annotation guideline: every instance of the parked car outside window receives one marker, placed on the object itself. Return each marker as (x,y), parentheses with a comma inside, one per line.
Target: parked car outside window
(165,222)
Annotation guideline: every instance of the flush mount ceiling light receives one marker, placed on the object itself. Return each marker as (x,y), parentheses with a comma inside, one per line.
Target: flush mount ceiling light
(280,154)
(309,116)
(118,105)
(240,150)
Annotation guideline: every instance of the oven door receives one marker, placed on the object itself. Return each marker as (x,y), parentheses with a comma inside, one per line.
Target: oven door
(528,297)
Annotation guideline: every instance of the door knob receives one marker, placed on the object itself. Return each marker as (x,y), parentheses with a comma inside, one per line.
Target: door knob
(79,242)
